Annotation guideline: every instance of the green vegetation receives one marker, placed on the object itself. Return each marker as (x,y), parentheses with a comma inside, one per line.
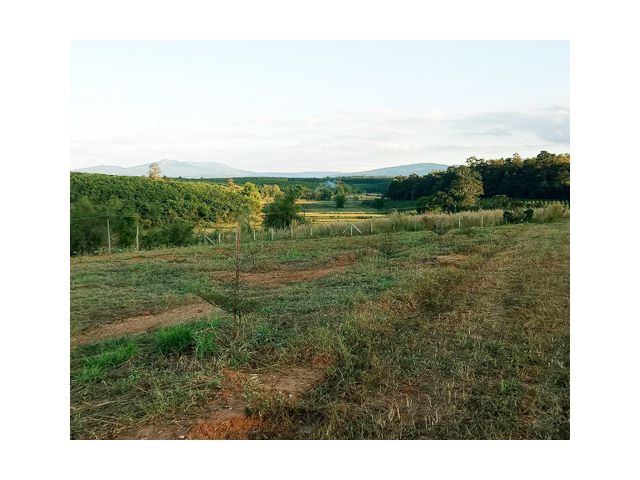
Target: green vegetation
(377,185)
(96,367)
(443,332)
(165,210)
(282,211)
(545,176)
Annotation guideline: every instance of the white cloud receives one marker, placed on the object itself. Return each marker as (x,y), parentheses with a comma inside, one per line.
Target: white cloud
(344,141)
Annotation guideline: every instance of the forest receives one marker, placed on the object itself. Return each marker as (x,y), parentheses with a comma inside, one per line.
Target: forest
(545,176)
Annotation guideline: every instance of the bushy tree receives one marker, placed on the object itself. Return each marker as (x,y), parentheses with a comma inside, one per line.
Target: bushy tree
(270,192)
(466,187)
(282,211)
(424,204)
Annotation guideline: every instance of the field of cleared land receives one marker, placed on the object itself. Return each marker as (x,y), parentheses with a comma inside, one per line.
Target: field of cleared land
(457,334)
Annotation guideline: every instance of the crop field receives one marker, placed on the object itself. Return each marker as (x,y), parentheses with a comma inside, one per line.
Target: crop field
(457,334)
(325,210)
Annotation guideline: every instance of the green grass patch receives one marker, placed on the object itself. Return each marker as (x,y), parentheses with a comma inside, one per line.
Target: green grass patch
(96,367)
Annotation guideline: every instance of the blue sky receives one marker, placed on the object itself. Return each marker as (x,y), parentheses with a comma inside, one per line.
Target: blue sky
(325,105)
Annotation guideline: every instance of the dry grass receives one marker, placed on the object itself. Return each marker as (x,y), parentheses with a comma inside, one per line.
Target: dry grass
(462,333)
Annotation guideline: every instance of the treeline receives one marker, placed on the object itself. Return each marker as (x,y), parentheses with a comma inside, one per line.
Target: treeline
(545,176)
(308,186)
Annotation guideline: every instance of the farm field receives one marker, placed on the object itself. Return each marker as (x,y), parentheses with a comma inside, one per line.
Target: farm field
(319,211)
(405,335)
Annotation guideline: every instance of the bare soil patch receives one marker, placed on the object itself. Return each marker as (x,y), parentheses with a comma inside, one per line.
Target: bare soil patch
(284,276)
(226,416)
(142,323)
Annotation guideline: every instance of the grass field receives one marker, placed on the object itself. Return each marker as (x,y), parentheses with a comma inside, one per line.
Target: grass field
(406,335)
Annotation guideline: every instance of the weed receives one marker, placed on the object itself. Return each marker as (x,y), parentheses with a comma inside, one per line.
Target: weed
(175,339)
(96,367)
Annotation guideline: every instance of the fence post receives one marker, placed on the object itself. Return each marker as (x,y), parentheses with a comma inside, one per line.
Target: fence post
(219,239)
(311,230)
(371,224)
(271,230)
(459,221)
(108,237)
(482,220)
(254,234)
(352,229)
(137,236)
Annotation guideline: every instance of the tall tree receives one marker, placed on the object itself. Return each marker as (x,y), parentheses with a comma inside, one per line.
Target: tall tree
(466,186)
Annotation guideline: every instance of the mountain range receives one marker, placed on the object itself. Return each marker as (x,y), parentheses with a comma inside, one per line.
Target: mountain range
(175,168)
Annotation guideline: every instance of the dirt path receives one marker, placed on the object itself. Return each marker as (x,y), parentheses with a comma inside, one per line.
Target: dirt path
(142,323)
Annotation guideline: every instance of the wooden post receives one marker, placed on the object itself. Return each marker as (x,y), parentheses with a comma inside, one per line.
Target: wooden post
(311,231)
(137,236)
(219,238)
(482,220)
(371,223)
(254,235)
(352,229)
(271,230)
(459,221)
(108,237)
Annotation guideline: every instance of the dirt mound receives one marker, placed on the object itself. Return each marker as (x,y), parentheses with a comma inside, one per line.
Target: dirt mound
(142,323)
(284,276)
(228,419)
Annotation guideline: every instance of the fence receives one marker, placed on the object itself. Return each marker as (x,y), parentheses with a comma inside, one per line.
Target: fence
(394,222)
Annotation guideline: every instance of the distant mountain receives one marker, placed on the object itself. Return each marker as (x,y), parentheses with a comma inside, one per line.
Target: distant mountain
(174,169)
(404,170)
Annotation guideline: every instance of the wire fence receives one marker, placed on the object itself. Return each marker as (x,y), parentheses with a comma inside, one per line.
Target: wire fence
(394,221)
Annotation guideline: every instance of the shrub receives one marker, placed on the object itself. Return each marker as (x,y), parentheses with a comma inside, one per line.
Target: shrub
(175,339)
(175,234)
(377,203)
(508,217)
(423,204)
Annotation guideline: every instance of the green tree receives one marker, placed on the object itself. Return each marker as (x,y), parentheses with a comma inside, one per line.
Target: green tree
(424,204)
(466,187)
(340,196)
(282,211)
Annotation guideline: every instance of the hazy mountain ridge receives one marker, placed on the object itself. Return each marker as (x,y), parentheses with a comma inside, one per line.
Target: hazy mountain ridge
(175,168)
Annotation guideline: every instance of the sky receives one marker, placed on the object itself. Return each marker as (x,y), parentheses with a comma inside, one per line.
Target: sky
(316,105)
